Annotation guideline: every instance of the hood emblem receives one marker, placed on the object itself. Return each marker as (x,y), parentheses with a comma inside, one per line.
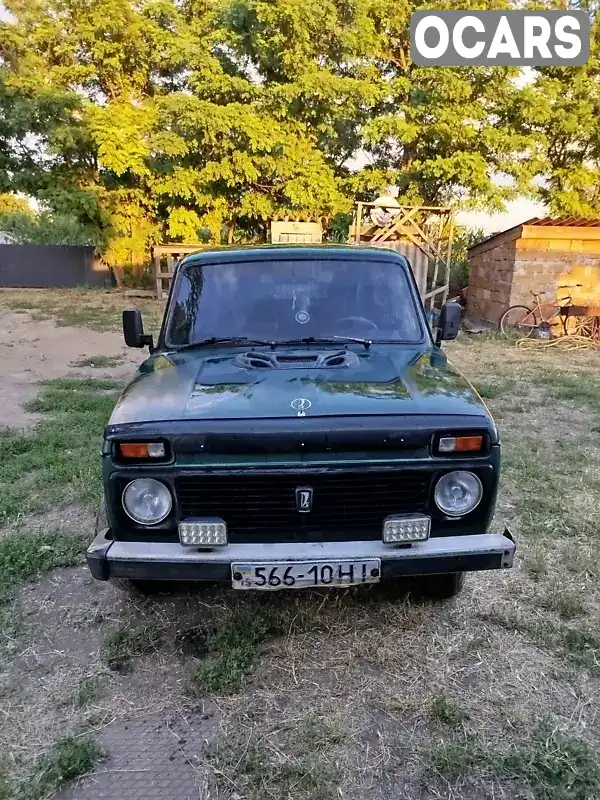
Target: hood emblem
(304,499)
(301,405)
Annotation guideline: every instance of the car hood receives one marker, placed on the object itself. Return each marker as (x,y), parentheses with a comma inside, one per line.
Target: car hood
(207,384)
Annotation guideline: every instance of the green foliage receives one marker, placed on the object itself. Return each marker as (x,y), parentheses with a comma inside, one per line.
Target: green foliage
(447,710)
(232,650)
(68,758)
(13,204)
(463,239)
(339,228)
(47,228)
(157,120)
(550,765)
(123,644)
(561,109)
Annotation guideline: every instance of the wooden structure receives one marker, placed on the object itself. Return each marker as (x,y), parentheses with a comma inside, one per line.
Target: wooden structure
(423,234)
(288,231)
(164,258)
(539,255)
(283,231)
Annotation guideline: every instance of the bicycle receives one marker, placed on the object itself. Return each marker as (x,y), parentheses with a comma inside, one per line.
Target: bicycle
(520,321)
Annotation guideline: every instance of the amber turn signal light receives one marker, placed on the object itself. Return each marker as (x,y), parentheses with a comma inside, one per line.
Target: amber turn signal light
(460,444)
(142,450)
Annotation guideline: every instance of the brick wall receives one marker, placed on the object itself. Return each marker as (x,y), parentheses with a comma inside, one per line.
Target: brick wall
(490,281)
(504,270)
(545,270)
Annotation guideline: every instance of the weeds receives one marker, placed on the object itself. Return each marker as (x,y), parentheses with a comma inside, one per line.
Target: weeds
(582,388)
(321,734)
(23,556)
(567,602)
(98,310)
(231,652)
(87,690)
(6,788)
(490,391)
(448,710)
(124,644)
(581,644)
(536,562)
(549,764)
(99,362)
(304,770)
(57,461)
(69,758)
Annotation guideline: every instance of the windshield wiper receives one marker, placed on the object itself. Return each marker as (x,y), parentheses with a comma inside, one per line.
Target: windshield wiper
(326,339)
(223,340)
(273,343)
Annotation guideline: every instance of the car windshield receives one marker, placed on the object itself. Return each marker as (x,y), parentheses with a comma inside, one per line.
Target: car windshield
(293,299)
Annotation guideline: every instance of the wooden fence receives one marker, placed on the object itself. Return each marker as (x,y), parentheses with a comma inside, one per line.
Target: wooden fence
(164,258)
(423,234)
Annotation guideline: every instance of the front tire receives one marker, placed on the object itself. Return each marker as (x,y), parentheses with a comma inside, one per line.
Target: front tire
(441,587)
(518,322)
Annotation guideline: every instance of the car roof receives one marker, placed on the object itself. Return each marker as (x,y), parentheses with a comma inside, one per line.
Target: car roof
(275,252)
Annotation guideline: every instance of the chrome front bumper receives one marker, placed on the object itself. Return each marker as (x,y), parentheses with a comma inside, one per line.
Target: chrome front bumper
(170,561)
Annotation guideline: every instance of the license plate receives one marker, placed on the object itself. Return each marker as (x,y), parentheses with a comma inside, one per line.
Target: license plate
(302,574)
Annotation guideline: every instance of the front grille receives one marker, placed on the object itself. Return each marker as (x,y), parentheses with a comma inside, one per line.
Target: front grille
(262,507)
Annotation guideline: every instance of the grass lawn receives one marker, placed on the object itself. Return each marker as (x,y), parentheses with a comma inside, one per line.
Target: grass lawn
(330,695)
(56,463)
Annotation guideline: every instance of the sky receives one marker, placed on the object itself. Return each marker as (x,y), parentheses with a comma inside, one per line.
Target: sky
(517,211)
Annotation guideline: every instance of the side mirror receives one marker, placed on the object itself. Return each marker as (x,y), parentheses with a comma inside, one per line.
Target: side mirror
(133,329)
(449,322)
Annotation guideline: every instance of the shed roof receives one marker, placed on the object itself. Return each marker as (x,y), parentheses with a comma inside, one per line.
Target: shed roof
(570,222)
(539,222)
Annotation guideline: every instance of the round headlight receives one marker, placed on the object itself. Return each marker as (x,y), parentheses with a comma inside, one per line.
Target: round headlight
(458,493)
(147,501)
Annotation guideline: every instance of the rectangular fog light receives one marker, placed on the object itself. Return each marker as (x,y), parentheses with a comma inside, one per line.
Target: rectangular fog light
(203,533)
(403,530)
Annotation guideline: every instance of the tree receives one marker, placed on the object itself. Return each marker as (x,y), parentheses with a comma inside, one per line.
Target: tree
(464,238)
(441,135)
(46,228)
(151,133)
(13,204)
(559,112)
(180,118)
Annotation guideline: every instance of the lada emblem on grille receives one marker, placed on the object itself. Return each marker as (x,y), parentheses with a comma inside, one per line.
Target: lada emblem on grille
(304,499)
(301,405)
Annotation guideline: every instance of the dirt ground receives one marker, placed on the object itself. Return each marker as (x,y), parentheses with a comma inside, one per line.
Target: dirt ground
(495,695)
(30,353)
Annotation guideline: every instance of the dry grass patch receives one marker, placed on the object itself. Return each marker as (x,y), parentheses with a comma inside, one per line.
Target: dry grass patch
(366,693)
(98,362)
(427,696)
(97,309)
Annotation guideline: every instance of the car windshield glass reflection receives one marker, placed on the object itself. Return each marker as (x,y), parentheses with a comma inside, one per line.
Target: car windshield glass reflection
(281,300)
